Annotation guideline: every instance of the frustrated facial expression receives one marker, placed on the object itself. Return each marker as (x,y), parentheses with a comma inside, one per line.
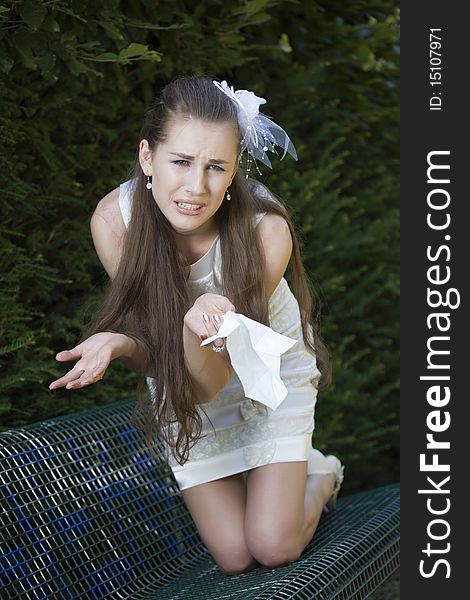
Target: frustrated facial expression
(191,172)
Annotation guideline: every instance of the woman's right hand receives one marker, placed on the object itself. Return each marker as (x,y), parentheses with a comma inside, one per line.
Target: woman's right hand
(205,317)
(93,357)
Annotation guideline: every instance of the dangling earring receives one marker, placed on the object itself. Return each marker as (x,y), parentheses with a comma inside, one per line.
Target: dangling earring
(228,196)
(148,185)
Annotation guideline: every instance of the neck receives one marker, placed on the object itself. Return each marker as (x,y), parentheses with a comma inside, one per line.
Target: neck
(196,244)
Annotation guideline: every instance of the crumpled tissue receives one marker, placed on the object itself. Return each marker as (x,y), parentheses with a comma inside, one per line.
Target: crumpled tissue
(255,353)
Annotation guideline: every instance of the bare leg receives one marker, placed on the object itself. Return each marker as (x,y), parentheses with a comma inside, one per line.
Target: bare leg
(283,510)
(218,510)
(317,494)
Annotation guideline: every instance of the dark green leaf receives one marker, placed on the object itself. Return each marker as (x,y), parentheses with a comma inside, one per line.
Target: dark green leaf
(32,13)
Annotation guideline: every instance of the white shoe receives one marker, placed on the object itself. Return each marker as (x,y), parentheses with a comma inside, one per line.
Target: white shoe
(319,464)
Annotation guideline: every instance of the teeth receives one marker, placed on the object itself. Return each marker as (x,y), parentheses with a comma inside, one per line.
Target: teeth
(189,206)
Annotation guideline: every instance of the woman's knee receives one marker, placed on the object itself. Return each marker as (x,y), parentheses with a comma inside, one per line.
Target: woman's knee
(273,550)
(234,561)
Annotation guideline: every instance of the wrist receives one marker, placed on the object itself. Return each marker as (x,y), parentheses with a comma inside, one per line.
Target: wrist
(124,346)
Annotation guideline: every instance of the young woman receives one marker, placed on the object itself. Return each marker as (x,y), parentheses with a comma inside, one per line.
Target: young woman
(187,239)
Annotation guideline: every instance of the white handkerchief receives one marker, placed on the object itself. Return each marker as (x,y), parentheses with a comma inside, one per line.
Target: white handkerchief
(255,352)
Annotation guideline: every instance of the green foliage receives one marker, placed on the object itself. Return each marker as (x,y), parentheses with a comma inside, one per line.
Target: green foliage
(77,78)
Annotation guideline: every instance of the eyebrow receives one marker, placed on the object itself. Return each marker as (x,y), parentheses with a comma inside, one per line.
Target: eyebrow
(215,161)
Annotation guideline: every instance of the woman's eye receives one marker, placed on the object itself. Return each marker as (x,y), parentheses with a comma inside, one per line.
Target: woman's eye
(185,163)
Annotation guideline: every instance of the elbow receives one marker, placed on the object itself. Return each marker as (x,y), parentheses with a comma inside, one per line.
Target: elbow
(205,396)
(228,372)
(202,397)
(200,394)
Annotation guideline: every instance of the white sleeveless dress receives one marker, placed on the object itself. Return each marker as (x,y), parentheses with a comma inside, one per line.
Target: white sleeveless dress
(241,434)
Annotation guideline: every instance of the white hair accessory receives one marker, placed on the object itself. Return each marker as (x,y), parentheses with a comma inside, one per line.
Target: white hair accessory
(259,133)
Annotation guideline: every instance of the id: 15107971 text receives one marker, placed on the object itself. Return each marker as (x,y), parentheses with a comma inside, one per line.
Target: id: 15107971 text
(435,69)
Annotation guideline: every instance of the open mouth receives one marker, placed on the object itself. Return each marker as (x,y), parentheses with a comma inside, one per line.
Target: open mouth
(189,206)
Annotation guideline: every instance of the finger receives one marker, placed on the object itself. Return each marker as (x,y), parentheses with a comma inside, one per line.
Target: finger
(209,324)
(227,305)
(78,372)
(67,378)
(68,354)
(217,322)
(208,328)
(82,381)
(88,377)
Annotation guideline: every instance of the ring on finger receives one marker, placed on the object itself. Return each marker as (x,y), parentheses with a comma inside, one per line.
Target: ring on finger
(218,348)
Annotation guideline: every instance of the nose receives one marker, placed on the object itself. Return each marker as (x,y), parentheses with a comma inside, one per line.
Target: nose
(197,181)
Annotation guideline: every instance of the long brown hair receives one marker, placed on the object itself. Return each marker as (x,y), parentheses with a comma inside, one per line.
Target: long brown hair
(149,296)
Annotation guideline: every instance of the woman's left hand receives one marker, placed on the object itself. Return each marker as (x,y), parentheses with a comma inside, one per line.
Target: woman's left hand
(205,317)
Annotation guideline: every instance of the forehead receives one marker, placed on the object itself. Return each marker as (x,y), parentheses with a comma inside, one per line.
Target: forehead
(193,136)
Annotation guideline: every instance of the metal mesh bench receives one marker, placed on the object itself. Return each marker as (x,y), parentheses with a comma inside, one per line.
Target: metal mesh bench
(86,513)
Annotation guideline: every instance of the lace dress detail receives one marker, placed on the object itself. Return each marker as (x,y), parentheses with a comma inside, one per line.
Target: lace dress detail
(239,433)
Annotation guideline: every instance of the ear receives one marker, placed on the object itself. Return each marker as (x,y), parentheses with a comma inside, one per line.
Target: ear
(145,157)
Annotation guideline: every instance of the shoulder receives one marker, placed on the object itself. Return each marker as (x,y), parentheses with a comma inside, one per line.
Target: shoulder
(272,223)
(276,240)
(108,211)
(274,230)
(107,230)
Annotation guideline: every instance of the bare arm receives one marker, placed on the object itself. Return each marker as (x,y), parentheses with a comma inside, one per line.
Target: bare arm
(209,371)
(133,356)
(108,230)
(277,245)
